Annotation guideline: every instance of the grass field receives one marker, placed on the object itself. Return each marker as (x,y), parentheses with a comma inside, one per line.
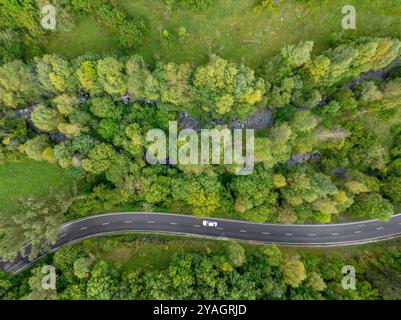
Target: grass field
(21,179)
(233,30)
(88,36)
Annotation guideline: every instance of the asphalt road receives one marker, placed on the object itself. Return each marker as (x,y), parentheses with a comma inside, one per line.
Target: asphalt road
(281,234)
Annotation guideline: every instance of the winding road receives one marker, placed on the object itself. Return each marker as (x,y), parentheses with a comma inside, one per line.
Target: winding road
(319,235)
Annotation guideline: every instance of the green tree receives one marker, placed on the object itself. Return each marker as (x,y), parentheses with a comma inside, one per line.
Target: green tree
(111,76)
(306,98)
(368,93)
(225,88)
(255,197)
(99,158)
(371,206)
(87,76)
(395,167)
(70,130)
(10,46)
(318,67)
(63,259)
(205,194)
(140,82)
(45,119)
(392,190)
(17,85)
(181,274)
(38,221)
(273,255)
(105,108)
(157,285)
(65,104)
(35,147)
(37,291)
(55,74)
(293,270)
(235,254)
(82,268)
(305,187)
(386,51)
(298,55)
(174,83)
(315,281)
(103,283)
(304,121)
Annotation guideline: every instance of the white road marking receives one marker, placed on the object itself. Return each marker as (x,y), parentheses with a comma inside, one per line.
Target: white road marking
(266,232)
(335,234)
(63,235)
(218,228)
(127,221)
(84,228)
(195,225)
(379,228)
(312,234)
(105,223)
(173,223)
(150,222)
(288,234)
(358,231)
(242,231)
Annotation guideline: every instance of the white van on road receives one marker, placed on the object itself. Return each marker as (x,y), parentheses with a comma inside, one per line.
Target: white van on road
(208,223)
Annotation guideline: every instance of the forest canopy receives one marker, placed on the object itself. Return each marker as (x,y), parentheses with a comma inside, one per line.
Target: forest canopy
(90,116)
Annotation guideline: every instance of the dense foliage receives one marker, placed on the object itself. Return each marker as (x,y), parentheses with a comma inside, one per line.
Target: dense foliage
(21,27)
(332,152)
(226,272)
(91,115)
